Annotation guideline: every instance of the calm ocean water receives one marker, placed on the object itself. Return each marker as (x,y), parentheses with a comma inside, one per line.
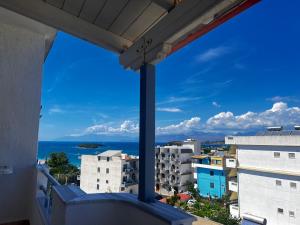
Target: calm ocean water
(74,153)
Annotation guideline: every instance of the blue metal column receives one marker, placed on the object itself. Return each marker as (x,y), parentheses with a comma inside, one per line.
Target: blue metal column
(147,133)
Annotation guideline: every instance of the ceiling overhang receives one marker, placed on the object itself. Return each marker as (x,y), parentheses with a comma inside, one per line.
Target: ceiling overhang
(138,30)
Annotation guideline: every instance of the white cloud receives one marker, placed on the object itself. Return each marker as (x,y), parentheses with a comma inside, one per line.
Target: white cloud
(56,109)
(174,99)
(216,104)
(213,53)
(283,98)
(279,114)
(226,122)
(129,127)
(174,110)
(183,127)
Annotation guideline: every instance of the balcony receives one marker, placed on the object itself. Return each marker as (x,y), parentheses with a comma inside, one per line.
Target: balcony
(234,210)
(62,205)
(49,203)
(231,163)
(195,175)
(233,185)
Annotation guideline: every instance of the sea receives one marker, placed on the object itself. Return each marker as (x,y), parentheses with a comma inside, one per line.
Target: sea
(74,152)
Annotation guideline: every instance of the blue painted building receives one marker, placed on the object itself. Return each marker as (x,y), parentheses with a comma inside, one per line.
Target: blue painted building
(211,176)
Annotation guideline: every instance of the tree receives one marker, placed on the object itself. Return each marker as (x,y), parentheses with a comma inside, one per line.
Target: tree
(61,169)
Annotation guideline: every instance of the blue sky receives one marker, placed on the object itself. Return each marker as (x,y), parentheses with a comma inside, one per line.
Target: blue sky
(240,77)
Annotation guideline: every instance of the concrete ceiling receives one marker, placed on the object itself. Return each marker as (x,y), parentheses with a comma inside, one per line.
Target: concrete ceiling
(128,27)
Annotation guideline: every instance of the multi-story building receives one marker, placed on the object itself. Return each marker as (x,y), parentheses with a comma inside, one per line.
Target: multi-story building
(110,171)
(268,178)
(210,174)
(174,166)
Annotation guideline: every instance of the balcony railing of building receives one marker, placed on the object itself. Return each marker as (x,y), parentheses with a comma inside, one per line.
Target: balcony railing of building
(233,184)
(234,210)
(63,205)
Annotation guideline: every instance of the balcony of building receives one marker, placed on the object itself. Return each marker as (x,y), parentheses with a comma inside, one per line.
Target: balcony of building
(233,184)
(58,204)
(141,38)
(234,210)
(206,161)
(231,163)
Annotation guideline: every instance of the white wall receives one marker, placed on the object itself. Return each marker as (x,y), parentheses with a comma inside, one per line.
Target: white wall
(22,53)
(276,140)
(263,157)
(259,196)
(88,173)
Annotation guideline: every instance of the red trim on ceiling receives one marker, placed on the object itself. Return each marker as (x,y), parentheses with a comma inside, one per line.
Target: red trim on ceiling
(235,11)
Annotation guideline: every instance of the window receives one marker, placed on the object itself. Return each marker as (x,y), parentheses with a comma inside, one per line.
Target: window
(122,189)
(107,181)
(231,160)
(212,185)
(211,173)
(99,158)
(293,185)
(276,154)
(97,186)
(278,182)
(280,210)
(98,169)
(291,213)
(219,162)
(292,155)
(98,180)
(107,170)
(107,159)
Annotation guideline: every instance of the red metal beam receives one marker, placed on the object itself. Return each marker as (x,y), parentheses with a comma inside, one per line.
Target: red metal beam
(218,21)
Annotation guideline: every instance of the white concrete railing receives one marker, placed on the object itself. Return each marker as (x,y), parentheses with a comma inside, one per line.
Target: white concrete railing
(68,205)
(111,209)
(45,184)
(234,210)
(233,185)
(231,163)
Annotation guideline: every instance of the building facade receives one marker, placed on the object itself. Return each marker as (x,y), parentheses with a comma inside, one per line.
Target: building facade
(210,175)
(110,171)
(174,166)
(268,181)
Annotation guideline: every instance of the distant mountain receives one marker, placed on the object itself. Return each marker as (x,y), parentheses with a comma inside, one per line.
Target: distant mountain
(203,136)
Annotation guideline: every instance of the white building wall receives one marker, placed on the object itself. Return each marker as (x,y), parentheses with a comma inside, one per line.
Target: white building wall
(93,180)
(260,196)
(22,54)
(89,173)
(114,165)
(263,157)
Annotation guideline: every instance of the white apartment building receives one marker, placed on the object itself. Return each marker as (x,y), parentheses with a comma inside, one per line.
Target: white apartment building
(268,181)
(173,166)
(110,171)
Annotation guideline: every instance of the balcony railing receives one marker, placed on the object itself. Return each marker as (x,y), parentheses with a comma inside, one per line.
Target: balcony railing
(234,210)
(231,163)
(233,185)
(64,205)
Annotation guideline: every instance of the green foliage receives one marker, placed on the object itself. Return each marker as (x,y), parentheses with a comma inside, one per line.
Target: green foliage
(213,209)
(61,169)
(173,200)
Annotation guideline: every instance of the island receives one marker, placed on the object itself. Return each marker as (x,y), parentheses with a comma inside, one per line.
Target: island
(90,145)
